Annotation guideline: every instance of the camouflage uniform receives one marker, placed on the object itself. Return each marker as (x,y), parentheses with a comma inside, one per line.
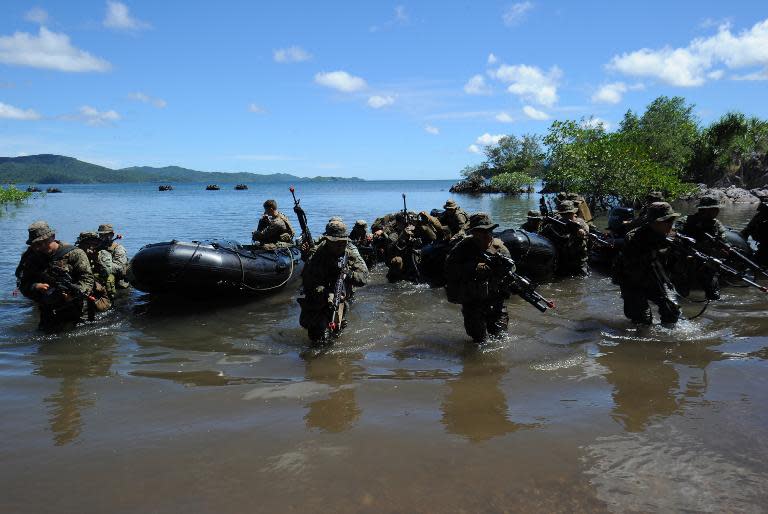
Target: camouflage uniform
(362,239)
(118,256)
(428,228)
(533,223)
(102,266)
(572,253)
(758,229)
(454,217)
(697,226)
(480,292)
(36,268)
(643,270)
(319,280)
(403,256)
(273,226)
(653,196)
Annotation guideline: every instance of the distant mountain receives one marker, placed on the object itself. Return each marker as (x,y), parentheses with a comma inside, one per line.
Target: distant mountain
(58,169)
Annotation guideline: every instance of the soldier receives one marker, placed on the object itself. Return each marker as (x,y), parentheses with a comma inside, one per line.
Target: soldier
(454,217)
(758,229)
(319,281)
(698,226)
(273,227)
(582,209)
(428,228)
(102,267)
(117,253)
(55,275)
(653,196)
(472,284)
(570,241)
(359,232)
(533,223)
(643,268)
(362,239)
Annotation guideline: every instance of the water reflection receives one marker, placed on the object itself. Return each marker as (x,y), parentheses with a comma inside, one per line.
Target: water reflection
(475,406)
(647,383)
(70,363)
(339,411)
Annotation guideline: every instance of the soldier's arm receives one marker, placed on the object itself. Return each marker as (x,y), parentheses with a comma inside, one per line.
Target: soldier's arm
(82,275)
(120,259)
(106,263)
(358,271)
(272,231)
(24,279)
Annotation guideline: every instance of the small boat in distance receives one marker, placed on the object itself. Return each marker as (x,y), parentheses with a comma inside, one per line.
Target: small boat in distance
(33,189)
(241,187)
(53,190)
(212,187)
(165,187)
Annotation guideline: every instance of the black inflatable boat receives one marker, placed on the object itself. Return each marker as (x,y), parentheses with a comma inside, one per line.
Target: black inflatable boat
(213,267)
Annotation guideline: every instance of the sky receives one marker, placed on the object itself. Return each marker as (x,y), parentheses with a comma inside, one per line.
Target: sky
(377,90)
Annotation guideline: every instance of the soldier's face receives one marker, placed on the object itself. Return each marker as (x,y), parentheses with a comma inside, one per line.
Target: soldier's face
(46,246)
(482,238)
(663,227)
(105,237)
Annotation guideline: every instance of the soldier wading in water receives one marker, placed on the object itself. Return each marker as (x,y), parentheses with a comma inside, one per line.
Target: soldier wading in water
(329,276)
(472,282)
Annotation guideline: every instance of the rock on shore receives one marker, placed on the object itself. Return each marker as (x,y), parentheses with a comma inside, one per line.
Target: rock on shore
(730,194)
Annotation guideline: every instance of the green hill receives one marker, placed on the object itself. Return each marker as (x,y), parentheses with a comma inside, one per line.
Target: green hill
(58,169)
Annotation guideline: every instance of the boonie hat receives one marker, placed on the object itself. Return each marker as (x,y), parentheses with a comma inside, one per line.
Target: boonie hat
(39,231)
(534,215)
(450,204)
(566,206)
(361,223)
(481,221)
(106,228)
(336,230)
(660,211)
(708,202)
(85,236)
(655,196)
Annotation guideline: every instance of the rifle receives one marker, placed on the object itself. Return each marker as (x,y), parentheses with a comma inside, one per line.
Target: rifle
(62,283)
(740,256)
(593,236)
(306,236)
(339,295)
(519,284)
(405,212)
(685,245)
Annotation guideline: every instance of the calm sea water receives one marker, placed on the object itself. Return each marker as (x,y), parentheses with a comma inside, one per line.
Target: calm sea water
(200,407)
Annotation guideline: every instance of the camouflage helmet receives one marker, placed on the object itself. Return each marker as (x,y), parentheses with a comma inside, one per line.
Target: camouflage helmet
(566,206)
(106,228)
(336,230)
(361,223)
(450,204)
(481,221)
(661,211)
(534,215)
(39,231)
(708,202)
(654,196)
(574,197)
(88,235)
(334,218)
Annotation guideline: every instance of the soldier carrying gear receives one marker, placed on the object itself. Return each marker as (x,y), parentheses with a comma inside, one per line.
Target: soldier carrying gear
(101,266)
(697,226)
(324,301)
(570,240)
(643,268)
(758,229)
(533,223)
(454,217)
(363,240)
(472,283)
(57,276)
(651,197)
(117,253)
(273,226)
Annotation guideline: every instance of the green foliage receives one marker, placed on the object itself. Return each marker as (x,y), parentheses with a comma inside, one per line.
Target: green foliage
(512,182)
(513,155)
(606,168)
(11,194)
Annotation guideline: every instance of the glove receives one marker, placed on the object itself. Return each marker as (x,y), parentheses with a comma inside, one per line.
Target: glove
(482,270)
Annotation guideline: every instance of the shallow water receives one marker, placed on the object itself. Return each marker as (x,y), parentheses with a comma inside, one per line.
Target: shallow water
(161,407)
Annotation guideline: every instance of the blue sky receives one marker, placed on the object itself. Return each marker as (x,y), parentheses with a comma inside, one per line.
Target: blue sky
(370,89)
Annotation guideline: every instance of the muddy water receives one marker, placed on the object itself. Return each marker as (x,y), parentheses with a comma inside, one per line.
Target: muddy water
(220,407)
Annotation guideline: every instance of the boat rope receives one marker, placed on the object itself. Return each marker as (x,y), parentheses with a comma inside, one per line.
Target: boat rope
(706,304)
(256,289)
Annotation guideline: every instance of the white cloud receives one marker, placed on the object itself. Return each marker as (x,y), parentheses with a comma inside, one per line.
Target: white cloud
(400,14)
(503,117)
(255,108)
(401,18)
(340,80)
(610,93)
(47,50)
(516,13)
(377,102)
(477,86)
(716,74)
(535,114)
(492,59)
(429,129)
(758,75)
(9,112)
(92,116)
(488,139)
(145,98)
(594,122)
(291,54)
(693,65)
(474,149)
(530,83)
(119,17)
(37,15)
